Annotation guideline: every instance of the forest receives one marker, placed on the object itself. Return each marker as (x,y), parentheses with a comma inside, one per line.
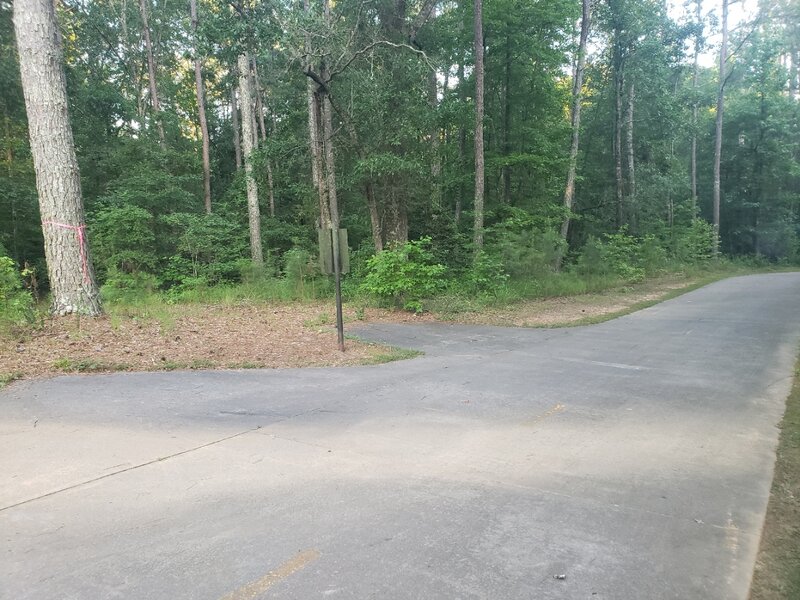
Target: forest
(466,147)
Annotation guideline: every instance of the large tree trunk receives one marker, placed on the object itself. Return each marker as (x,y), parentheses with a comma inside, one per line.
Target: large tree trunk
(69,264)
(237,141)
(248,120)
(723,59)
(151,70)
(631,200)
(575,114)
(479,162)
(315,136)
(201,111)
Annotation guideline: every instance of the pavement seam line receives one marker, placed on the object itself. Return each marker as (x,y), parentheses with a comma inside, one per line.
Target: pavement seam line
(131,468)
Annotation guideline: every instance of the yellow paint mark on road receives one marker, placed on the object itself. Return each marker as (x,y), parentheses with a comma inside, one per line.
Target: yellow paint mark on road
(556,408)
(291,566)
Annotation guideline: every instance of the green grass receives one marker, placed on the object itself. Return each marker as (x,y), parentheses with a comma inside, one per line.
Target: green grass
(392,354)
(69,365)
(6,378)
(777,573)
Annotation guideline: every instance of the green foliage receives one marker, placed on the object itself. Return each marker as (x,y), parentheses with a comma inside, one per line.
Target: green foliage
(16,303)
(530,253)
(695,244)
(487,274)
(128,288)
(621,254)
(405,275)
(123,239)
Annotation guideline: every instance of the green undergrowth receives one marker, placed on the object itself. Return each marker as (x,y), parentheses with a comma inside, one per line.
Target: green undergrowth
(777,572)
(450,304)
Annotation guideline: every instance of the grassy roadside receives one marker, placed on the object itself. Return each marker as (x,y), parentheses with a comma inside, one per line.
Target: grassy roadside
(777,572)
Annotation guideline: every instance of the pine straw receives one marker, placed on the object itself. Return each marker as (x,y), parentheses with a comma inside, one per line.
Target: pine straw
(185,337)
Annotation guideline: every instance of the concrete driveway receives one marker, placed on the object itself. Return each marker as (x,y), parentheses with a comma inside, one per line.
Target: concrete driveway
(628,460)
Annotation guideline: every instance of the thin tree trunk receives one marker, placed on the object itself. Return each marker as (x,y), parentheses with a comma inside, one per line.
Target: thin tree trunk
(507,122)
(151,70)
(462,146)
(723,58)
(479,162)
(66,246)
(237,142)
(575,114)
(261,109)
(260,104)
(631,166)
(618,90)
(436,162)
(695,70)
(248,120)
(201,111)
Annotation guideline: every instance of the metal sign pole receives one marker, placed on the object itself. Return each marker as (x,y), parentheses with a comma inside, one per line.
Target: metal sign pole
(337,278)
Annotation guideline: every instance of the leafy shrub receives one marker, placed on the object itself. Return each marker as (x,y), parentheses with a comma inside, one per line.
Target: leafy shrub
(16,303)
(123,239)
(618,253)
(207,246)
(128,288)
(487,274)
(405,275)
(530,253)
(299,268)
(696,243)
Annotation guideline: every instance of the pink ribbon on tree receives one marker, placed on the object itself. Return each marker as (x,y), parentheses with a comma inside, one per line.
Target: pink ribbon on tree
(81,231)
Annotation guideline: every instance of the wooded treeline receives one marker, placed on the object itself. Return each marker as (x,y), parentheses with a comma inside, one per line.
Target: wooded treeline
(215,135)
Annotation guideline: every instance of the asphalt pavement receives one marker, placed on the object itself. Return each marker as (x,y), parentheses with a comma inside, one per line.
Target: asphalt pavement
(626,460)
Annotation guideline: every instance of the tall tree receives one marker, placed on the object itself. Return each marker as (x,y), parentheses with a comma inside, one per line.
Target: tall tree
(479,157)
(151,69)
(698,37)
(248,144)
(723,61)
(201,110)
(69,264)
(575,117)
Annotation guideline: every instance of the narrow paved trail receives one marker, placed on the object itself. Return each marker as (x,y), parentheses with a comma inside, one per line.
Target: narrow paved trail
(634,458)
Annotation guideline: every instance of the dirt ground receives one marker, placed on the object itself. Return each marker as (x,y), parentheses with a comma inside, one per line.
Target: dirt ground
(235,336)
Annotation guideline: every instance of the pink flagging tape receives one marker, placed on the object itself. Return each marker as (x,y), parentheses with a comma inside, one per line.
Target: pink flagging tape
(81,231)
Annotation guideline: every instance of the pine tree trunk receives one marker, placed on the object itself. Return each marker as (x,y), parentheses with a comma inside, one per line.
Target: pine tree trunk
(69,264)
(436,162)
(248,137)
(201,111)
(237,141)
(695,70)
(507,123)
(723,59)
(479,159)
(618,90)
(631,200)
(575,114)
(151,70)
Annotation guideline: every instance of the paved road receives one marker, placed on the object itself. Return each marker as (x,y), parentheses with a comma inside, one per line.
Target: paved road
(633,457)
